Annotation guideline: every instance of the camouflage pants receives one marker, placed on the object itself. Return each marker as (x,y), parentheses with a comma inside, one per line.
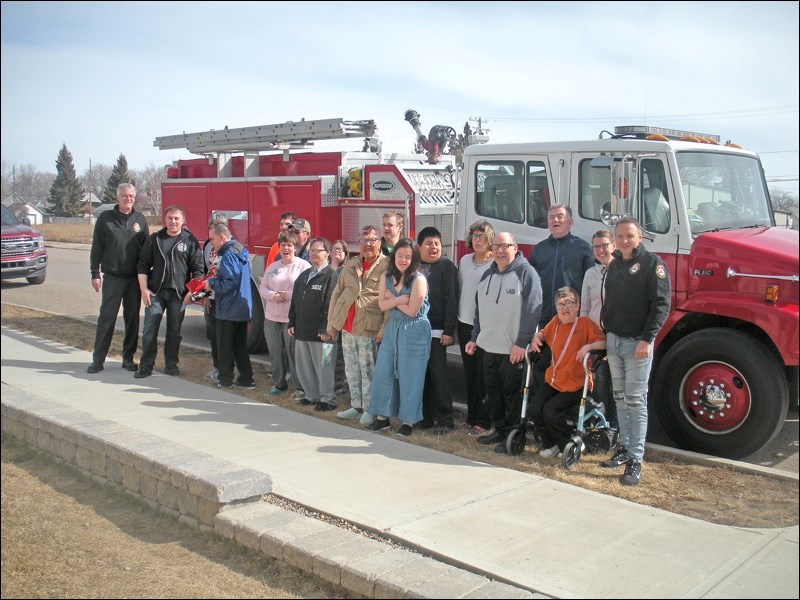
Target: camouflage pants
(359,366)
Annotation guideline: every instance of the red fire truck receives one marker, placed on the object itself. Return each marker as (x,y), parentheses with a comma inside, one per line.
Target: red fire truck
(726,362)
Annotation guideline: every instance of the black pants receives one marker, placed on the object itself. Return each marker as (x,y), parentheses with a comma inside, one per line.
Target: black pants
(115,291)
(437,399)
(504,390)
(550,411)
(477,408)
(232,346)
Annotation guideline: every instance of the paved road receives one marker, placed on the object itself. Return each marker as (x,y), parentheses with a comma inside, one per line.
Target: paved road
(67,290)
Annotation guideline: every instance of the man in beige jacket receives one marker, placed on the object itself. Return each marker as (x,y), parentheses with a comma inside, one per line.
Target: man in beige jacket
(354,312)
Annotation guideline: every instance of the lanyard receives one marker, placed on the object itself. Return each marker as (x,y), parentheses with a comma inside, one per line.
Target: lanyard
(555,362)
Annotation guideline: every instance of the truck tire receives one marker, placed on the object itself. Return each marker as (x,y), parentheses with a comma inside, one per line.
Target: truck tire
(256,342)
(720,392)
(38,280)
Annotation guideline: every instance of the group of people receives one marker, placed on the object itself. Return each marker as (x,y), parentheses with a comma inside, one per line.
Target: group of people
(390,311)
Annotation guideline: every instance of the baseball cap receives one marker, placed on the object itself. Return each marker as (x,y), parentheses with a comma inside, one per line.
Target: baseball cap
(301,225)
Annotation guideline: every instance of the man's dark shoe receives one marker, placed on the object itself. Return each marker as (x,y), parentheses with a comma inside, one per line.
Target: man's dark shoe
(246,385)
(304,402)
(129,365)
(224,386)
(173,371)
(633,473)
(324,407)
(94,368)
(422,425)
(620,458)
(492,438)
(142,373)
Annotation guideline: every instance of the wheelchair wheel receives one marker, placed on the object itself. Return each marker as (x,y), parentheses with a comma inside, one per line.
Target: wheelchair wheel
(515,442)
(571,454)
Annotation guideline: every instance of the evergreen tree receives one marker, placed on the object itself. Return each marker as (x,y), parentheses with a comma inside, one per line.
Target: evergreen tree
(66,198)
(118,175)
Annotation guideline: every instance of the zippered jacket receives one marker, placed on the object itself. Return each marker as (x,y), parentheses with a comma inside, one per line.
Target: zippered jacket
(233,296)
(311,298)
(117,242)
(174,271)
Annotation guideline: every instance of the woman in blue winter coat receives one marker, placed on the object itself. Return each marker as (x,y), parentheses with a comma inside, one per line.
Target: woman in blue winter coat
(403,354)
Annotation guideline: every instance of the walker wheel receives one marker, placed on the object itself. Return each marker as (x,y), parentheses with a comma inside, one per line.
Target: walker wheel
(515,442)
(571,454)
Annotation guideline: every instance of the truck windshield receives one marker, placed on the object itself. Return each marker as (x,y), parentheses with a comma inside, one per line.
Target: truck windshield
(723,191)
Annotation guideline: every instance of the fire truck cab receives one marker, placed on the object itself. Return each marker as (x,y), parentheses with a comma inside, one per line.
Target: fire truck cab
(726,362)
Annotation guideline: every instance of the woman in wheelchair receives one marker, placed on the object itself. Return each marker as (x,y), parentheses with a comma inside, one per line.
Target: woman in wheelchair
(570,337)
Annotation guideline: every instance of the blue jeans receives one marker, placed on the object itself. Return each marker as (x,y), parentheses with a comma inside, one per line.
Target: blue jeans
(629,377)
(169,301)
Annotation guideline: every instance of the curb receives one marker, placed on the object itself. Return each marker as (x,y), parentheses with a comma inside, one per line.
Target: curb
(223,498)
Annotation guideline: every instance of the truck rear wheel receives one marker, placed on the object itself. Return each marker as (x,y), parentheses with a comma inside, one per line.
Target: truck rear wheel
(720,392)
(256,342)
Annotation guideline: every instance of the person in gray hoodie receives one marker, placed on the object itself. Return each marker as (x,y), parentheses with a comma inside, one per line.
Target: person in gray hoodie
(508,309)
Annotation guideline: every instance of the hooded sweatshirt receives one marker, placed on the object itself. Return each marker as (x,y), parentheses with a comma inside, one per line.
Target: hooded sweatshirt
(508,307)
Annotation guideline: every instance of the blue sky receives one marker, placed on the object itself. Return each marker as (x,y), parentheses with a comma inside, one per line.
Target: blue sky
(109,77)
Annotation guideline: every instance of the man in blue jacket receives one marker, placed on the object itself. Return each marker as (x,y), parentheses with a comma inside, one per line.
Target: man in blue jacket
(169,259)
(234,308)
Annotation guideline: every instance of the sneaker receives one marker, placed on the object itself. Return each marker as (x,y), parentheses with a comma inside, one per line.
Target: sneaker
(351,414)
(492,438)
(324,407)
(172,371)
(405,430)
(377,425)
(633,473)
(247,385)
(478,430)
(128,365)
(224,386)
(366,418)
(304,402)
(212,375)
(142,373)
(94,368)
(276,391)
(551,452)
(620,458)
(299,395)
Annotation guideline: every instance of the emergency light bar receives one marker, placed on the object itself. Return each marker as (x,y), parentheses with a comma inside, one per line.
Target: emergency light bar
(642,131)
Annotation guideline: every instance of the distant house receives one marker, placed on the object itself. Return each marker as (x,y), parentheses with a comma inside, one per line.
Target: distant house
(25,210)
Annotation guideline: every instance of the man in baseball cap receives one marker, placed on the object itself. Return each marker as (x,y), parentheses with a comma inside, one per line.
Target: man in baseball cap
(302,229)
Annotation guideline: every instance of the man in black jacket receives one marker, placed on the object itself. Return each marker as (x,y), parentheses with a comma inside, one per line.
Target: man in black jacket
(169,259)
(636,306)
(119,235)
(442,276)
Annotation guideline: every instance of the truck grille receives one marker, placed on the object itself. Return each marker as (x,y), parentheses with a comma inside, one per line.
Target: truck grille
(17,247)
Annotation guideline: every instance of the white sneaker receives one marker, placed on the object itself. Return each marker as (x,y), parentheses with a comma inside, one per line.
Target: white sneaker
(351,414)
(549,452)
(366,418)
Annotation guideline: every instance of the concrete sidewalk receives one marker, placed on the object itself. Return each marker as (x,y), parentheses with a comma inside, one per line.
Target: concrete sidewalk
(207,456)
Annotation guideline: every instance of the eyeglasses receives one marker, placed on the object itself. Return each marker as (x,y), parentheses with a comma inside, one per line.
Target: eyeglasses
(502,246)
(601,246)
(565,304)
(316,250)
(477,236)
(369,240)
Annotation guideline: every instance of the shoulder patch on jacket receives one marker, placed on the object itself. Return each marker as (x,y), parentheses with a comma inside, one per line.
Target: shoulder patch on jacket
(661,272)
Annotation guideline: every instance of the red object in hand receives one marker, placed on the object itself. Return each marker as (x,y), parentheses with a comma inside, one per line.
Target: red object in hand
(196,285)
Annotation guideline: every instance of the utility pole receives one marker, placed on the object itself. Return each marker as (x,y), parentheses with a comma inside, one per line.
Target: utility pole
(89,195)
